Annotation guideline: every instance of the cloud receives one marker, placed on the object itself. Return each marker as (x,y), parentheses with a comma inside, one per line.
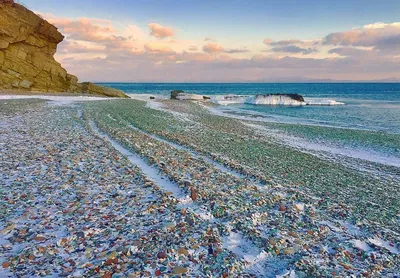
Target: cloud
(293,49)
(214,48)
(71,47)
(85,29)
(160,31)
(89,35)
(209,39)
(156,47)
(381,36)
(267,41)
(94,49)
(284,42)
(349,51)
(236,50)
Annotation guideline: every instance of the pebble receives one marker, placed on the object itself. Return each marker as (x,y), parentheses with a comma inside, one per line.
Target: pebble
(179,270)
(89,210)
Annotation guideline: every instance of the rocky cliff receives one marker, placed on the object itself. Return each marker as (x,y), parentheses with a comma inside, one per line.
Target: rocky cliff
(27,47)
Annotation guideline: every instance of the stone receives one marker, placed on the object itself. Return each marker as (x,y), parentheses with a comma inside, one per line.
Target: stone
(179,270)
(2,57)
(3,44)
(22,55)
(39,238)
(162,255)
(183,251)
(25,84)
(175,93)
(181,95)
(193,194)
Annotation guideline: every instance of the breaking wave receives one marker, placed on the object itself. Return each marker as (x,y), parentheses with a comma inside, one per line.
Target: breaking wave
(273,99)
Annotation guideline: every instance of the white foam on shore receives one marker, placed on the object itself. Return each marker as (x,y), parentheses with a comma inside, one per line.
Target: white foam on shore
(283,100)
(56,100)
(147,97)
(322,102)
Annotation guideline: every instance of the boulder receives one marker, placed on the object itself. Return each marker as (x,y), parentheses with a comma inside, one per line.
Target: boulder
(181,95)
(175,93)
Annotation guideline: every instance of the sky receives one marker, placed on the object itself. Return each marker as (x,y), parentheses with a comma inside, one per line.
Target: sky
(226,41)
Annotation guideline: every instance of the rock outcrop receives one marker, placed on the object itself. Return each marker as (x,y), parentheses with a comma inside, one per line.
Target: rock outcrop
(27,47)
(181,95)
(90,88)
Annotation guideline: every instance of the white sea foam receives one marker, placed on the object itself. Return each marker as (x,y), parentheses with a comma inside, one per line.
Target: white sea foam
(322,102)
(284,100)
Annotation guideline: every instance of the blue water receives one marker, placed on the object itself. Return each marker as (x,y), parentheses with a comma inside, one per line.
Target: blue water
(371,106)
(365,91)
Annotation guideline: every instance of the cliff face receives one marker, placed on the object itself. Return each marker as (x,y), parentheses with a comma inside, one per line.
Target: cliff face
(27,47)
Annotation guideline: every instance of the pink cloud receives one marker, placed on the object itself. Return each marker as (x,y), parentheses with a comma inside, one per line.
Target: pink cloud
(214,48)
(95,50)
(156,47)
(160,31)
(69,47)
(84,28)
(267,41)
(379,35)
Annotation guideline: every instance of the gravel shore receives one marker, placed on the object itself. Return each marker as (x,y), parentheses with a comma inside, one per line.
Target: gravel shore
(116,188)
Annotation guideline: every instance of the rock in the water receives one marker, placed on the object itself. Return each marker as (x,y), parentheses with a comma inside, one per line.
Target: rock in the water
(181,95)
(175,93)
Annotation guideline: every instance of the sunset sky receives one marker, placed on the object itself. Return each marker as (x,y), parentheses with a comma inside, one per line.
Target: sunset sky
(226,41)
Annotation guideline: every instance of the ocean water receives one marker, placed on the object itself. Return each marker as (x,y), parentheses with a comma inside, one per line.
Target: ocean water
(368,124)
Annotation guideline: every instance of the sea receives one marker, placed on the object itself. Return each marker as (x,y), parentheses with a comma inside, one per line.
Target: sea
(366,127)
